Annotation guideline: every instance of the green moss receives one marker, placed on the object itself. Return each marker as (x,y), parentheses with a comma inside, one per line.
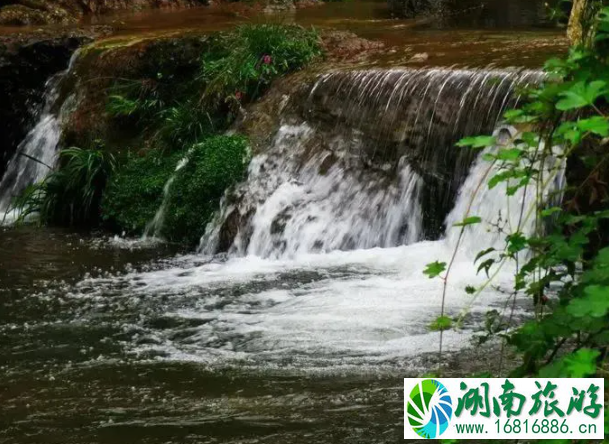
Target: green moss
(213,166)
(136,192)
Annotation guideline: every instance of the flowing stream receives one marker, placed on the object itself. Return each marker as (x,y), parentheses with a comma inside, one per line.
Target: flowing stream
(36,155)
(302,328)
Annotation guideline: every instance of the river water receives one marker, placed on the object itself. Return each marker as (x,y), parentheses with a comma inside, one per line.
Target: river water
(107,340)
(294,338)
(105,343)
(502,33)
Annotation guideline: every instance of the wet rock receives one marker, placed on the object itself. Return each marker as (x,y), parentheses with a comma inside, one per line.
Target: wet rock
(141,60)
(27,61)
(20,15)
(419,58)
(347,46)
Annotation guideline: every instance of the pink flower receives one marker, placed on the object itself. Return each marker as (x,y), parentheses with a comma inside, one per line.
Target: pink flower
(267,59)
(238,95)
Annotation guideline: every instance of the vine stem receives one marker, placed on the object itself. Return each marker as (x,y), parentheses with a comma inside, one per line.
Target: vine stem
(518,227)
(455,251)
(502,262)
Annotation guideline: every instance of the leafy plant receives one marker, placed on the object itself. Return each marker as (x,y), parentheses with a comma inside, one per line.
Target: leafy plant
(235,67)
(213,166)
(243,63)
(72,194)
(137,190)
(186,123)
(565,271)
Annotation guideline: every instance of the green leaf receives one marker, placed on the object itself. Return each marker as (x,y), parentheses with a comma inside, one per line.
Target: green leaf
(550,211)
(434,269)
(580,364)
(486,266)
(581,94)
(516,243)
(483,253)
(595,303)
(470,290)
(518,116)
(441,323)
(510,154)
(477,142)
(468,221)
(597,125)
(600,270)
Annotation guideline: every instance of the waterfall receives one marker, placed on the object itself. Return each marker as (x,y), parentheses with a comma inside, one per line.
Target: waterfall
(494,207)
(36,155)
(328,236)
(154,227)
(367,160)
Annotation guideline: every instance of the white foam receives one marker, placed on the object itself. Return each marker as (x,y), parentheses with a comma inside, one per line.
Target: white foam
(314,310)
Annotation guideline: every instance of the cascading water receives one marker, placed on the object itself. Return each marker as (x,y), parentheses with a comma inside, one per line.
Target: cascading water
(373,164)
(36,155)
(322,203)
(328,236)
(155,226)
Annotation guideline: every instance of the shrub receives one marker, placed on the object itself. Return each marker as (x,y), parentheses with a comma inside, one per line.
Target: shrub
(136,192)
(245,61)
(72,194)
(185,124)
(213,166)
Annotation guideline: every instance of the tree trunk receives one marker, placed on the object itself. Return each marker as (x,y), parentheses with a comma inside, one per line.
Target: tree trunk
(575,31)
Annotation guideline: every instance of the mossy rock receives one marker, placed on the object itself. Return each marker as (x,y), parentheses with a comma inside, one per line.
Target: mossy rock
(136,192)
(20,15)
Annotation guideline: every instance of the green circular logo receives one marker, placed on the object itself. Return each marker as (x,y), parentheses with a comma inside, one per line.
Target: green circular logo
(429,409)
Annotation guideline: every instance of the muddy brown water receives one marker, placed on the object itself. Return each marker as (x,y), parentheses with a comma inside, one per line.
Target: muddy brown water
(498,35)
(502,34)
(67,379)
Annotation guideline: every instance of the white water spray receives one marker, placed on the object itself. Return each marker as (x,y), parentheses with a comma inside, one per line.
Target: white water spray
(36,155)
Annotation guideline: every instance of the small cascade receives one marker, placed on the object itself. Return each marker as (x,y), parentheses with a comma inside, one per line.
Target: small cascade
(302,202)
(499,212)
(154,227)
(367,160)
(36,155)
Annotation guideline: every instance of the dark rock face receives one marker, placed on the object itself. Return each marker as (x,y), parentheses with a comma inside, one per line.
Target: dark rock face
(176,58)
(417,116)
(26,64)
